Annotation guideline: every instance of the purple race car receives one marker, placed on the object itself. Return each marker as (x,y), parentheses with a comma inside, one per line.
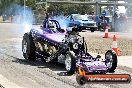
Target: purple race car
(52,43)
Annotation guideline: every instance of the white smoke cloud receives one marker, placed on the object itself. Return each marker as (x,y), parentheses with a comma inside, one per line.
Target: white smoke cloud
(62,21)
(23,17)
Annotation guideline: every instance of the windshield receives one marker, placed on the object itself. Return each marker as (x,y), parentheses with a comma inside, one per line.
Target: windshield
(90,17)
(80,17)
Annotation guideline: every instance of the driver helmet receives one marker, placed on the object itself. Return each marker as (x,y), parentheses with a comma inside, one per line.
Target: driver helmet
(52,25)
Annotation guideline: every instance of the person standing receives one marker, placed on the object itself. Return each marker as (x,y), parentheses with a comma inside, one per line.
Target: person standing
(115,22)
(46,18)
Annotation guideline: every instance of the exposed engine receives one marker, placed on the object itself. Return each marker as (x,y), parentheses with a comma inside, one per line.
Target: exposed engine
(45,47)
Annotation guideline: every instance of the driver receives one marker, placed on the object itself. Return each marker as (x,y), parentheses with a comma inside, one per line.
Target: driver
(52,26)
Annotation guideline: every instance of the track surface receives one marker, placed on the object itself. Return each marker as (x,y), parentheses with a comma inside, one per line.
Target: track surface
(27,74)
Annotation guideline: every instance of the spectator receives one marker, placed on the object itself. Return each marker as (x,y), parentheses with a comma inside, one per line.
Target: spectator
(45,19)
(115,21)
(97,20)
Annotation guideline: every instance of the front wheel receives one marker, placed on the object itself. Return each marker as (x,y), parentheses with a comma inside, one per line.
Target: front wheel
(81,80)
(70,63)
(111,60)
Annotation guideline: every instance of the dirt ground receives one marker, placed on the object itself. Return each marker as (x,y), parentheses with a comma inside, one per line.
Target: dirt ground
(97,44)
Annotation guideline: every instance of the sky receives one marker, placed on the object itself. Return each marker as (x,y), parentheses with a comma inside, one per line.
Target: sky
(121,8)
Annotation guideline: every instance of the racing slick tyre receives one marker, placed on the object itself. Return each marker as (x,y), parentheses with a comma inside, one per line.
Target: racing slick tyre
(28,47)
(70,63)
(81,80)
(111,61)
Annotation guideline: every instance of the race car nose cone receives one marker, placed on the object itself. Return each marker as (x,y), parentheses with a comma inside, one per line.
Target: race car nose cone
(97,65)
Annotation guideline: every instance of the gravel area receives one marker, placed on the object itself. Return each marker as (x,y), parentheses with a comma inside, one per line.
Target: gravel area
(97,44)
(1,86)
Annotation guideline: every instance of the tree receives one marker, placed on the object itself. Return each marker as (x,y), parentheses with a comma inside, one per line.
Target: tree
(69,8)
(5,6)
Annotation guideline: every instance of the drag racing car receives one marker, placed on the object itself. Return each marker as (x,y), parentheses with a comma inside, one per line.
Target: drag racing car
(52,43)
(82,21)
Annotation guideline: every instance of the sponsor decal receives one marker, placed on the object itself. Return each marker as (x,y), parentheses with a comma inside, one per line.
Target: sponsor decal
(82,77)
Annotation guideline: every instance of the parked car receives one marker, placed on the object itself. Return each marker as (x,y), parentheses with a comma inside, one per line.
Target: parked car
(82,22)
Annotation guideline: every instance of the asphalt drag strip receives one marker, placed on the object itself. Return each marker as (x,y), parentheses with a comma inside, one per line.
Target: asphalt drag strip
(29,74)
(51,70)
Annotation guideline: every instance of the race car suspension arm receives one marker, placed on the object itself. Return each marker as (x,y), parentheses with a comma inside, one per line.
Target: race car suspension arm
(84,49)
(63,49)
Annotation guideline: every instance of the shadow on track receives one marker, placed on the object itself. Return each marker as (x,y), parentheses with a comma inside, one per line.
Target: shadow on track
(53,66)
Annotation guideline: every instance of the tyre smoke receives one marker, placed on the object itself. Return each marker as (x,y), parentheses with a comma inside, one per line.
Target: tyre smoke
(62,21)
(22,16)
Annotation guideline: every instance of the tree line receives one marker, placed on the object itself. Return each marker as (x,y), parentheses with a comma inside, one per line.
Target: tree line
(8,7)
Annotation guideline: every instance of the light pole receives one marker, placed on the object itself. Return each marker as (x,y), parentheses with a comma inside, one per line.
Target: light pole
(46,6)
(24,9)
(97,6)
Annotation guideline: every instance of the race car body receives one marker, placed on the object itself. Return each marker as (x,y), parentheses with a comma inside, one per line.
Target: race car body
(82,22)
(51,43)
(53,33)
(48,43)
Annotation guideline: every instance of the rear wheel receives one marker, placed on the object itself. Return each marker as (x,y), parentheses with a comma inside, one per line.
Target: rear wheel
(28,47)
(111,60)
(70,63)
